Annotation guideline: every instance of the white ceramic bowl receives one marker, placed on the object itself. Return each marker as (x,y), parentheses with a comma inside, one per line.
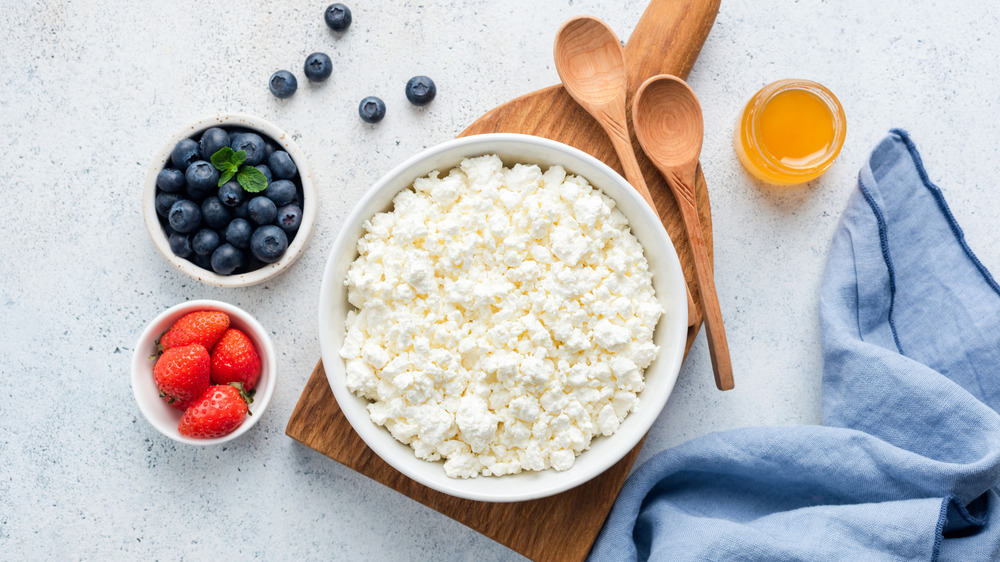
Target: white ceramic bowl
(310,201)
(163,417)
(670,335)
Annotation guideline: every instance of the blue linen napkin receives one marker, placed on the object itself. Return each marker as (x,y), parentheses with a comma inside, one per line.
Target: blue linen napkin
(906,465)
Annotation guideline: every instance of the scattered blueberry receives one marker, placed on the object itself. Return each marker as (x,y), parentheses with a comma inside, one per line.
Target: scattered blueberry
(281,165)
(232,193)
(241,211)
(184,154)
(164,201)
(252,144)
(214,213)
(202,179)
(318,67)
(283,84)
(266,171)
(337,17)
(184,216)
(289,218)
(205,241)
(170,180)
(212,140)
(281,192)
(238,233)
(268,243)
(372,109)
(262,210)
(420,90)
(180,244)
(226,258)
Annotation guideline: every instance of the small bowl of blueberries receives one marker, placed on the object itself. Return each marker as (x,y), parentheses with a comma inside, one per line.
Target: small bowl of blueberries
(229,200)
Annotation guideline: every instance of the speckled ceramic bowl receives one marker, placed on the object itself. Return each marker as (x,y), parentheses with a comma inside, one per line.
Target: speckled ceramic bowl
(670,335)
(310,203)
(165,418)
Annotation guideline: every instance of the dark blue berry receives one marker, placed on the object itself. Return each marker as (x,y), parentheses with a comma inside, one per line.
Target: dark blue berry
(232,193)
(180,244)
(170,180)
(372,109)
(241,211)
(283,84)
(252,144)
(281,192)
(214,213)
(205,241)
(420,90)
(204,262)
(289,218)
(238,233)
(266,171)
(318,67)
(184,154)
(281,165)
(212,140)
(337,17)
(226,258)
(269,149)
(262,210)
(184,216)
(268,243)
(164,201)
(202,179)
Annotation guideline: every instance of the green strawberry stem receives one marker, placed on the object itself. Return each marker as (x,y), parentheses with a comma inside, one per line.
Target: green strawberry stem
(246,396)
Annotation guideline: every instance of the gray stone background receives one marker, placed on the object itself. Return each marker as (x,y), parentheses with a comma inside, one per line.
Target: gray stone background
(89,90)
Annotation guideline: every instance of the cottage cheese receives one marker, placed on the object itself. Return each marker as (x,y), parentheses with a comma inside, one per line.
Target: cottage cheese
(504,317)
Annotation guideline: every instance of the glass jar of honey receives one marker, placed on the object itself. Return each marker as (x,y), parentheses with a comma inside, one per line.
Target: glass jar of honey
(790,132)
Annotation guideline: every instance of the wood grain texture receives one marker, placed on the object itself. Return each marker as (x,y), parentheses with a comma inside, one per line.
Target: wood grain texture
(564,526)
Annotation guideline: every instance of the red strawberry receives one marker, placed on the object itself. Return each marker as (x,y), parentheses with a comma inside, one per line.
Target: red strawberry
(235,359)
(183,373)
(219,411)
(204,327)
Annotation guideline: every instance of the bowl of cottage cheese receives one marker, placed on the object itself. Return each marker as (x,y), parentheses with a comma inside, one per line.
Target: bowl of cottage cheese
(502,317)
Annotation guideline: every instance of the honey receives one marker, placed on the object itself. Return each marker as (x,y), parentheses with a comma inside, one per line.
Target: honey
(790,132)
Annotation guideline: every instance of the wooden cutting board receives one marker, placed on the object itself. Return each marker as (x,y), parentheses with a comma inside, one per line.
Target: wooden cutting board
(667,40)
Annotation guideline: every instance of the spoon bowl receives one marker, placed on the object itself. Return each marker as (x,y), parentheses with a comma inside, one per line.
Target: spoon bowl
(591,62)
(669,123)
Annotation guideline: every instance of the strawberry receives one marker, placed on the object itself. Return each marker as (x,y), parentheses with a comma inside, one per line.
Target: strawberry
(183,373)
(219,411)
(235,359)
(204,327)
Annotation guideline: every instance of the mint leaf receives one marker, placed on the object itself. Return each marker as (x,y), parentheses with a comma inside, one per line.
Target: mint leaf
(226,176)
(240,156)
(223,157)
(251,179)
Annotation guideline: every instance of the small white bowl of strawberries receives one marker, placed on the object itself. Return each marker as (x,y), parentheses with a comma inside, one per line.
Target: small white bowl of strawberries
(203,372)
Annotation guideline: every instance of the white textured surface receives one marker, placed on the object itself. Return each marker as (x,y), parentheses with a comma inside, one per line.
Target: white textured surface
(89,90)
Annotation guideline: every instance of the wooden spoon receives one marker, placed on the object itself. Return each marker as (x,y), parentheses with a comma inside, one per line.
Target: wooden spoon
(590,61)
(668,121)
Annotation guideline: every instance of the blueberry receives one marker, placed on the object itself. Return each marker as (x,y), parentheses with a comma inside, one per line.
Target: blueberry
(180,244)
(269,149)
(184,216)
(212,140)
(184,154)
(164,201)
(281,165)
(289,218)
(337,17)
(226,258)
(252,144)
(268,243)
(232,193)
(372,109)
(238,233)
(262,210)
(318,67)
(266,171)
(204,262)
(202,179)
(241,211)
(205,241)
(283,84)
(170,180)
(420,90)
(214,213)
(281,192)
